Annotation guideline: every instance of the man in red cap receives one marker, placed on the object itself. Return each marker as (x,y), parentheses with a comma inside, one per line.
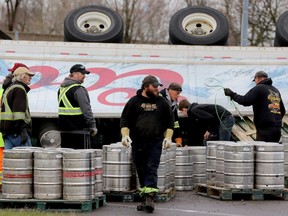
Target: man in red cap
(8,79)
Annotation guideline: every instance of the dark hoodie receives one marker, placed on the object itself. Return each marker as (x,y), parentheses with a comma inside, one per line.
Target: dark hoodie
(78,97)
(267,104)
(147,118)
(209,115)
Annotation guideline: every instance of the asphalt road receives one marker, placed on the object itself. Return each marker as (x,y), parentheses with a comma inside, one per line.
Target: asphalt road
(189,203)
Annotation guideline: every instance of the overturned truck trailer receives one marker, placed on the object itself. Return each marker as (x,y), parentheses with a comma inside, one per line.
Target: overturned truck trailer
(197,58)
(118,69)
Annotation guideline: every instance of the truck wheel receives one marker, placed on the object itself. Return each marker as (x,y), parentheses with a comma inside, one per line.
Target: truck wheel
(93,24)
(49,136)
(199,26)
(281,33)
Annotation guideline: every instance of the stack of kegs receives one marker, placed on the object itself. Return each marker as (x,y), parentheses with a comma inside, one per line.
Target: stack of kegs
(52,173)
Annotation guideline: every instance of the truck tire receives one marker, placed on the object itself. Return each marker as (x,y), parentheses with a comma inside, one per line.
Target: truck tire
(49,136)
(93,24)
(281,33)
(199,25)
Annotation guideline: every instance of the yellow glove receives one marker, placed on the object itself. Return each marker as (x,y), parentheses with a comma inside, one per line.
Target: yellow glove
(126,140)
(167,140)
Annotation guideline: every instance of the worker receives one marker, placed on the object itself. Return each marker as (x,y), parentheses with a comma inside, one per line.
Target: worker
(171,94)
(268,107)
(76,121)
(216,119)
(6,83)
(147,124)
(16,124)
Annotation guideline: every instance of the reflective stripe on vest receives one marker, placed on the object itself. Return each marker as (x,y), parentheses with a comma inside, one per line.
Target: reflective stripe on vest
(68,109)
(8,115)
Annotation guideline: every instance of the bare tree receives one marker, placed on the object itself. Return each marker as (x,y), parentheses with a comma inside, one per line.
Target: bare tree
(262,20)
(145,21)
(12,8)
(233,11)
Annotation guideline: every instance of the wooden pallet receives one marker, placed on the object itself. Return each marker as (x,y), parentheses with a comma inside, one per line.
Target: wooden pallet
(166,195)
(133,196)
(55,205)
(122,196)
(241,194)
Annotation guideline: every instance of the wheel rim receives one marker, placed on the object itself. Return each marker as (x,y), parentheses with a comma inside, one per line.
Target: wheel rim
(94,22)
(199,24)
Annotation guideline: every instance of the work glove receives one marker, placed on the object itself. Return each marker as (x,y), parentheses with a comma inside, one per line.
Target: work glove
(178,142)
(24,136)
(166,143)
(93,131)
(167,140)
(229,92)
(126,140)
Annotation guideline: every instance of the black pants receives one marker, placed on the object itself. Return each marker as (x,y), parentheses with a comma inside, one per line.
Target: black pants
(75,139)
(271,134)
(146,157)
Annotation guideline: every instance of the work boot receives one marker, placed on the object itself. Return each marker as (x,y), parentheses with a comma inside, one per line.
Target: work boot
(149,202)
(141,207)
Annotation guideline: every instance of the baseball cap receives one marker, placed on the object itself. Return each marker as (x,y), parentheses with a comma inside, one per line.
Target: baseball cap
(79,68)
(260,74)
(151,80)
(175,86)
(17,65)
(22,70)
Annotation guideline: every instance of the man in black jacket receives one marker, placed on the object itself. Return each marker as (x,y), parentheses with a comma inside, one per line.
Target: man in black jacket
(214,118)
(267,105)
(171,94)
(147,118)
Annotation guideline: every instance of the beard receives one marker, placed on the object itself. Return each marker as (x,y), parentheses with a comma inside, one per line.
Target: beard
(152,94)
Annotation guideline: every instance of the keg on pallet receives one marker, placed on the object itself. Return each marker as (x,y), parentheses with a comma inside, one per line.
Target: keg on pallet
(211,149)
(117,167)
(198,157)
(162,170)
(78,174)
(220,162)
(239,165)
(285,143)
(183,170)
(17,174)
(269,165)
(98,172)
(48,174)
(172,164)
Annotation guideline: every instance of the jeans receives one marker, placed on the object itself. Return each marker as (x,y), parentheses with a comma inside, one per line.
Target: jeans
(225,128)
(14,140)
(146,157)
(271,134)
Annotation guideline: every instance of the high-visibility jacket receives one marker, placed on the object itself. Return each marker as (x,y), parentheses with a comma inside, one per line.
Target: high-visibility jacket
(65,107)
(16,115)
